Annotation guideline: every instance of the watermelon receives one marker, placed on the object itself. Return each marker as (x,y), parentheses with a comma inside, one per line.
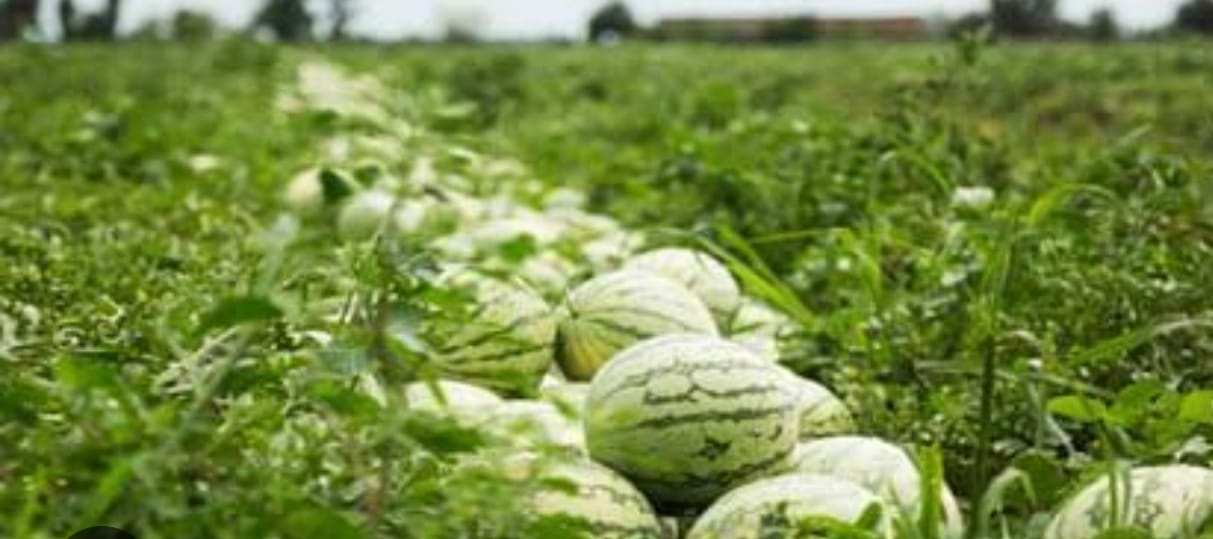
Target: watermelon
(571,496)
(759,327)
(605,252)
(688,417)
(502,340)
(532,423)
(568,395)
(616,310)
(703,275)
(1168,502)
(304,194)
(778,506)
(362,214)
(881,467)
(467,404)
(821,412)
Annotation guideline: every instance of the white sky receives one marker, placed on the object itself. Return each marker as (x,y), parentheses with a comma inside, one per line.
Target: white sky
(566,18)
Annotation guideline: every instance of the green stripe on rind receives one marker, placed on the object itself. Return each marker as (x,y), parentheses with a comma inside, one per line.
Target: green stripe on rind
(688,417)
(615,310)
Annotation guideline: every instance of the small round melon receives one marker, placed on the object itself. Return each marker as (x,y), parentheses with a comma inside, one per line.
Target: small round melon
(531,423)
(703,275)
(363,214)
(881,467)
(501,339)
(616,310)
(777,507)
(467,404)
(688,417)
(821,412)
(1168,502)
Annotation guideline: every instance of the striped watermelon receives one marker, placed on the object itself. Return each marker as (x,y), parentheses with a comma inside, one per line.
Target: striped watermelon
(821,412)
(618,309)
(777,507)
(569,496)
(759,327)
(532,423)
(687,417)
(880,467)
(467,404)
(503,340)
(604,504)
(703,275)
(1169,502)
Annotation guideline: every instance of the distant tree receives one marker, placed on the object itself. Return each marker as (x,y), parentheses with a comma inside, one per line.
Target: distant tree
(1023,17)
(612,20)
(288,20)
(1103,26)
(16,16)
(968,25)
(462,24)
(100,26)
(1195,16)
(190,25)
(342,11)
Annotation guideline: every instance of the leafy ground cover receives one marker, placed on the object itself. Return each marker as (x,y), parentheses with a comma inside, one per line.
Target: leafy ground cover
(1003,252)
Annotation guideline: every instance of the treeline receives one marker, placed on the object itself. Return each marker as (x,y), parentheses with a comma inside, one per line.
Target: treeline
(300,20)
(283,20)
(1014,19)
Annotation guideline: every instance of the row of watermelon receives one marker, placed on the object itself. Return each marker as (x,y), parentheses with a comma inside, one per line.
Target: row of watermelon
(654,373)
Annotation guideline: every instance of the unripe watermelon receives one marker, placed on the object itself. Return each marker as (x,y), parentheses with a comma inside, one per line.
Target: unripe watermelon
(363,214)
(881,467)
(687,417)
(1169,502)
(821,412)
(467,404)
(777,506)
(501,340)
(587,499)
(703,275)
(616,310)
(531,423)
(760,328)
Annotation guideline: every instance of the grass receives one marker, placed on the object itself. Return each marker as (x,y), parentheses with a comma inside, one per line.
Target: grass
(828,173)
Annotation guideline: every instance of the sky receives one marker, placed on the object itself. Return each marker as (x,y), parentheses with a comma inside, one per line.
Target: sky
(566,18)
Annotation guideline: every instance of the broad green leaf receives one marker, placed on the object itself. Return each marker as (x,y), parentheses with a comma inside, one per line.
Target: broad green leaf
(236,311)
(1197,407)
(1078,408)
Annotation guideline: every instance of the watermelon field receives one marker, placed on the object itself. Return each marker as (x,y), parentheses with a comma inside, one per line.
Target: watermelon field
(646,291)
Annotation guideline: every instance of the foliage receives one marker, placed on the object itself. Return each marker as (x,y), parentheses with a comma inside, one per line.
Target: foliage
(99,26)
(927,216)
(1023,17)
(189,25)
(612,20)
(288,20)
(1103,25)
(16,16)
(1195,16)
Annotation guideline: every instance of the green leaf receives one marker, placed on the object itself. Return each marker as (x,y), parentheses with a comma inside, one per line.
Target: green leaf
(1197,407)
(315,522)
(336,185)
(1134,402)
(236,311)
(1078,408)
